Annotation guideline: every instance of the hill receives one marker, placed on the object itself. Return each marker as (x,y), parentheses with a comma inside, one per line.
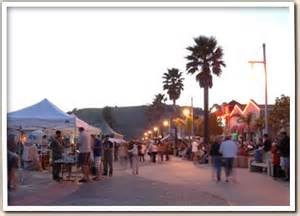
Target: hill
(130,121)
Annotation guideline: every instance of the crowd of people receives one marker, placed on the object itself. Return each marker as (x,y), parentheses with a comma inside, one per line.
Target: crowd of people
(96,154)
(275,152)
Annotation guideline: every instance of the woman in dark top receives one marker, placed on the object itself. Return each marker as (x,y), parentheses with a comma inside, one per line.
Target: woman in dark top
(216,158)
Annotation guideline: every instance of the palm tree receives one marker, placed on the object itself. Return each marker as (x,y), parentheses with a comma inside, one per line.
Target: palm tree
(205,59)
(173,83)
(156,110)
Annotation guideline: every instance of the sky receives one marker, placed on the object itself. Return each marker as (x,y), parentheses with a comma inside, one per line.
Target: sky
(96,57)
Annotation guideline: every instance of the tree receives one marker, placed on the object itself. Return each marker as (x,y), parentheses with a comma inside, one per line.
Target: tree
(157,109)
(108,116)
(279,117)
(73,111)
(215,125)
(259,125)
(205,59)
(173,83)
(248,121)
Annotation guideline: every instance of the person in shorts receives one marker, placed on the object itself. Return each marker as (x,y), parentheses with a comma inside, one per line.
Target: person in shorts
(229,150)
(84,146)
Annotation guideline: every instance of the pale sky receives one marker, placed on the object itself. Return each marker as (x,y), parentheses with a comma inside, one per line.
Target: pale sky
(93,57)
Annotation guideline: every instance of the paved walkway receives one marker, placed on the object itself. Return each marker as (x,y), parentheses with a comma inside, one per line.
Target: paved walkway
(176,182)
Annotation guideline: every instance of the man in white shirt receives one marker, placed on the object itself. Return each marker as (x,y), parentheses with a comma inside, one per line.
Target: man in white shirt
(195,146)
(229,150)
(84,145)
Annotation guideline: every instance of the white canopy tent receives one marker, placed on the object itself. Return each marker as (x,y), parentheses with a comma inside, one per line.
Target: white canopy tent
(46,117)
(41,115)
(117,140)
(90,129)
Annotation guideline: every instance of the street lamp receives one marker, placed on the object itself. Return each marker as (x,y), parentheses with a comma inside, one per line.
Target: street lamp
(155,129)
(186,112)
(166,123)
(264,62)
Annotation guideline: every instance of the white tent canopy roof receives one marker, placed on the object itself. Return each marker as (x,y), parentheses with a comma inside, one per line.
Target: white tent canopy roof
(41,115)
(86,126)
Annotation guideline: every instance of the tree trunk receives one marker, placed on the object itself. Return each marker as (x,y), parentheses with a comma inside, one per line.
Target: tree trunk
(206,120)
(175,128)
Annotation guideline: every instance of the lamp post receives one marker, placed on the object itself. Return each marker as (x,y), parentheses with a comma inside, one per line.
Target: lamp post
(186,113)
(166,124)
(155,129)
(264,62)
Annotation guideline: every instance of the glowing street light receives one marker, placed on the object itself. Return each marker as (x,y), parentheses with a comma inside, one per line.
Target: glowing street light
(186,112)
(166,123)
(155,129)
(145,134)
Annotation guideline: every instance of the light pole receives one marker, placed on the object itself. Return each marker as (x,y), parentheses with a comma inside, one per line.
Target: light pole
(155,129)
(264,62)
(166,124)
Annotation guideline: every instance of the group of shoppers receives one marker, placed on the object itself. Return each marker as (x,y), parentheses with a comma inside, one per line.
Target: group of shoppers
(277,152)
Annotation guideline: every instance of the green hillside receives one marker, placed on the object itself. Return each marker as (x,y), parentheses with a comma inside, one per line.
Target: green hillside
(129,121)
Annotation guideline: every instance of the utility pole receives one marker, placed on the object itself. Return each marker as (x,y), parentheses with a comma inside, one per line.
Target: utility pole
(264,62)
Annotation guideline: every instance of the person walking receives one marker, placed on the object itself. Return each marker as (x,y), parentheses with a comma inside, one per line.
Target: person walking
(107,156)
(154,150)
(116,151)
(142,152)
(267,151)
(57,148)
(161,150)
(97,151)
(195,146)
(133,148)
(84,144)
(167,148)
(216,159)
(229,150)
(123,155)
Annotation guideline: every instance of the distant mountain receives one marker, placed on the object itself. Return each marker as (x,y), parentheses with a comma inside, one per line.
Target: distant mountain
(130,121)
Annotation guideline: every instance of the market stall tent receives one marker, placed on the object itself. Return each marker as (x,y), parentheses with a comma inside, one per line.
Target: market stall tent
(40,115)
(90,129)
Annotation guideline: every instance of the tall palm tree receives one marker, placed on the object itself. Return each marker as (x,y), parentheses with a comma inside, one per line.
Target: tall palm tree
(205,59)
(173,83)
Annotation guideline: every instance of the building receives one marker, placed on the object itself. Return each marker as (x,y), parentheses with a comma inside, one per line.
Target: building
(244,119)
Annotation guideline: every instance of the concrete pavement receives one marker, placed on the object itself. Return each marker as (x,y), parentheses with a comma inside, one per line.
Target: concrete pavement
(177,182)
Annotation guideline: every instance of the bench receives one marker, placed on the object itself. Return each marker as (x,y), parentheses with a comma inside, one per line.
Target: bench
(260,166)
